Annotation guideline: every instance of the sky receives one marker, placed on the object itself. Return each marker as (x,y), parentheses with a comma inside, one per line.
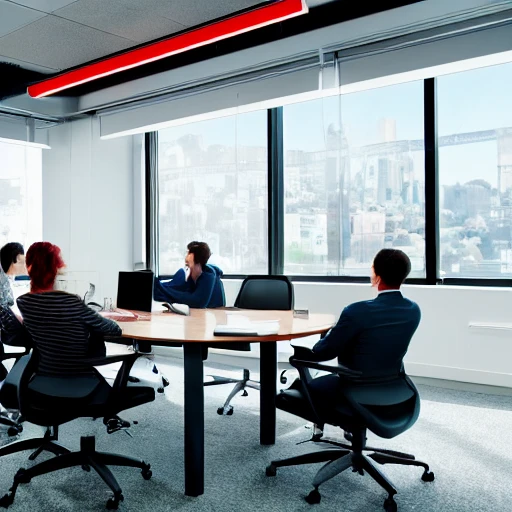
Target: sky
(469,101)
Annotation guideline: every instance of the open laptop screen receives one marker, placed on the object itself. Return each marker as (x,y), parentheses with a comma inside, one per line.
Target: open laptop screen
(135,290)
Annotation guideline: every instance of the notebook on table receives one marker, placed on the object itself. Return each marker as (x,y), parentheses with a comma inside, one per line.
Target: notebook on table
(239,325)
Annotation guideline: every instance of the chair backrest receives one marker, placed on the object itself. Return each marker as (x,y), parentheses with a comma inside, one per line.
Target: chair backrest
(265,292)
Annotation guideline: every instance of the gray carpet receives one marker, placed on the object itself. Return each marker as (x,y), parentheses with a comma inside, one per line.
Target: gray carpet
(465,437)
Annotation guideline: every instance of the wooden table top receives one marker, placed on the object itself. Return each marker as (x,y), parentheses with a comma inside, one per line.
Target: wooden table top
(199,326)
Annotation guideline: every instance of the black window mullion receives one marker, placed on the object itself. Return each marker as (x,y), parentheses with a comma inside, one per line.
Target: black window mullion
(431,182)
(151,170)
(147,186)
(275,192)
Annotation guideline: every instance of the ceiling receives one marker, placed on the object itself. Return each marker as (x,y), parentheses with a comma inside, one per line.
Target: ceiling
(45,37)
(53,35)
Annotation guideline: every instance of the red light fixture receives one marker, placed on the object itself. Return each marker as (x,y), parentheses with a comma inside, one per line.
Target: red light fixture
(266,15)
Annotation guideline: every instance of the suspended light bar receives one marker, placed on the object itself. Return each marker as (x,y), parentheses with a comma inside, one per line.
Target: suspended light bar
(266,15)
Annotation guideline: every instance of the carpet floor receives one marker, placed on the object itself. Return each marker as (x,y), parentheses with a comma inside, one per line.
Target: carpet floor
(465,437)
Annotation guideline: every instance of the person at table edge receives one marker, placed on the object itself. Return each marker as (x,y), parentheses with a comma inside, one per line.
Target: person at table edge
(198,285)
(371,336)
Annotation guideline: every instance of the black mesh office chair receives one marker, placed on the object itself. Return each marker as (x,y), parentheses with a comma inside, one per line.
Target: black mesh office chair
(387,406)
(256,292)
(51,401)
(11,419)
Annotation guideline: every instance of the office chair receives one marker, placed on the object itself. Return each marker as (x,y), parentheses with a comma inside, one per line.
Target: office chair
(51,401)
(13,420)
(256,292)
(386,405)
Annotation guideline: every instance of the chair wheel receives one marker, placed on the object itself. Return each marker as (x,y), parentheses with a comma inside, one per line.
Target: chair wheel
(6,500)
(160,390)
(282,378)
(245,393)
(222,412)
(390,505)
(13,431)
(113,503)
(314,497)
(146,474)
(428,476)
(270,470)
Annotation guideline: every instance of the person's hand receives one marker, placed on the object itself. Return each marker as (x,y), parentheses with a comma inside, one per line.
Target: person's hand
(303,353)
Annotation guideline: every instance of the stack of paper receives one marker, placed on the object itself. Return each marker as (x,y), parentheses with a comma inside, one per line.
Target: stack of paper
(239,325)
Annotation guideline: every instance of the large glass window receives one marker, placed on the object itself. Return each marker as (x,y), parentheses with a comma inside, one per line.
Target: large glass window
(475,172)
(213,188)
(20,194)
(354,181)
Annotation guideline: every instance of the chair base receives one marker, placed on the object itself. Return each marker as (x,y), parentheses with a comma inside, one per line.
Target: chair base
(344,456)
(49,443)
(240,386)
(87,457)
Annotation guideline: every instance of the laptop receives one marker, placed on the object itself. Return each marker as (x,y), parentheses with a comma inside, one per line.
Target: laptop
(135,290)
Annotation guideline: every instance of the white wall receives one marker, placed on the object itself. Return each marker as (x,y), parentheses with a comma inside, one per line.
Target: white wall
(88,202)
(444,347)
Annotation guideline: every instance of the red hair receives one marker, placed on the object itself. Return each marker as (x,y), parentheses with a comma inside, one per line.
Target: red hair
(43,261)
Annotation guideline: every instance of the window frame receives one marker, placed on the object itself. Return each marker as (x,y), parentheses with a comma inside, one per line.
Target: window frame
(275,155)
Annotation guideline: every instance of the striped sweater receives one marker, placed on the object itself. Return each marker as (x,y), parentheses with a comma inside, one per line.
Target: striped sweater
(61,327)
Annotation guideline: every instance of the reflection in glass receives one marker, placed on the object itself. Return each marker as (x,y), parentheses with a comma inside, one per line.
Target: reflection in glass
(475,172)
(213,188)
(21,194)
(354,181)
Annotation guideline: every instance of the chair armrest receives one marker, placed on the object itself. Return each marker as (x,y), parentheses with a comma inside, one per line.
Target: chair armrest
(338,369)
(117,358)
(128,361)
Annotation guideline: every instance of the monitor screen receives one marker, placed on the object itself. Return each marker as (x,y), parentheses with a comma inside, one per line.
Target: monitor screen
(135,290)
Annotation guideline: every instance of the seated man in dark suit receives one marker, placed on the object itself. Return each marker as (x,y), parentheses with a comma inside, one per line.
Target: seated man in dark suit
(371,336)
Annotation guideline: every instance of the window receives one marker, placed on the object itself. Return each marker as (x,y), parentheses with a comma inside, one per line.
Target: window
(475,172)
(213,188)
(20,194)
(354,181)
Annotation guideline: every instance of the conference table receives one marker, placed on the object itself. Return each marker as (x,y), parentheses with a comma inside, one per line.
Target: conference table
(196,334)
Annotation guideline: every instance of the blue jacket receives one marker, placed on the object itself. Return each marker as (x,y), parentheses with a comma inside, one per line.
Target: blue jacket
(206,292)
(372,336)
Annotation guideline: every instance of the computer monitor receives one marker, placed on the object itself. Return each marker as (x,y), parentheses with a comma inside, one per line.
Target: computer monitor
(135,290)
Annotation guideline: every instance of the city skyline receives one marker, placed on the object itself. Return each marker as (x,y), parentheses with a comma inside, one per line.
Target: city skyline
(354,179)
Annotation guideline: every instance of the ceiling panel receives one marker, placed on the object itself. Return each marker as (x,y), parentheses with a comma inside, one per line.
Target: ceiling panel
(13,17)
(58,43)
(27,65)
(125,19)
(189,12)
(44,5)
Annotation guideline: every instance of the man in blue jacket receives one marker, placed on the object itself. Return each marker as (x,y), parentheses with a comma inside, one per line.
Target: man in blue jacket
(371,336)
(198,284)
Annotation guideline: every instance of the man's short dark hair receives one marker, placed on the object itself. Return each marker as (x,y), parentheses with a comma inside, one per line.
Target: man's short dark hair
(9,254)
(392,266)
(201,252)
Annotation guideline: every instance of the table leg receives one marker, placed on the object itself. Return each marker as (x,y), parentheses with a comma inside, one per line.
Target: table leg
(268,383)
(194,419)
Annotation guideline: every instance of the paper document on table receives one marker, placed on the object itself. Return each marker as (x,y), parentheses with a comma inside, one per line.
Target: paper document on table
(239,325)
